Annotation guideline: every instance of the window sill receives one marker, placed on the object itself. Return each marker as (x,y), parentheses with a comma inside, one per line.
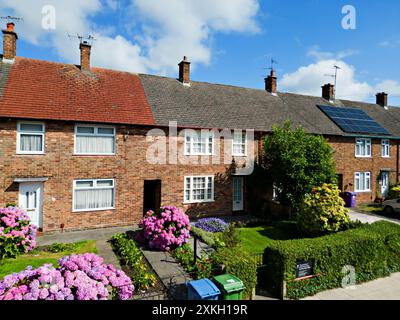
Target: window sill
(364,191)
(30,153)
(92,210)
(94,154)
(363,157)
(197,202)
(239,155)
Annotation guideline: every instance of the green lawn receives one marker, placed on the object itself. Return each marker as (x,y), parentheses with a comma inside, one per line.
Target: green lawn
(255,239)
(38,257)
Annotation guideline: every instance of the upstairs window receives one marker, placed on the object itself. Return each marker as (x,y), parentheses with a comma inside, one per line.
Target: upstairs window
(199,189)
(92,195)
(386,148)
(30,138)
(239,147)
(363,148)
(199,143)
(362,182)
(94,140)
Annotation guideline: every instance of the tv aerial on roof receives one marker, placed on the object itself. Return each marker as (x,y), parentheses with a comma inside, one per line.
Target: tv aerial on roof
(272,63)
(334,76)
(83,39)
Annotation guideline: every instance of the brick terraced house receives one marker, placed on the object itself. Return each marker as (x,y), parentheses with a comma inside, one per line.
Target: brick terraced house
(84,147)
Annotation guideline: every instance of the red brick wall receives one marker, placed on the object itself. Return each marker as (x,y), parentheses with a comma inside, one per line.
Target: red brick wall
(129,168)
(347,164)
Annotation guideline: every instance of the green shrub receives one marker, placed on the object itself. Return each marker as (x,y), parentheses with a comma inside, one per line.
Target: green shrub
(394,192)
(322,211)
(231,236)
(203,268)
(373,250)
(204,236)
(240,264)
(131,256)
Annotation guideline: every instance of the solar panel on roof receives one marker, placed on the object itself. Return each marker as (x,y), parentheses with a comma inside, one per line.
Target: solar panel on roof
(353,120)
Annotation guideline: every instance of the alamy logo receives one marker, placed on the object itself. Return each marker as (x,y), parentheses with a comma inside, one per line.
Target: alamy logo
(49,17)
(349,279)
(349,20)
(201,147)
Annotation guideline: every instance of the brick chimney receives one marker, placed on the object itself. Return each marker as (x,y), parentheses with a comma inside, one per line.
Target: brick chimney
(270,83)
(9,42)
(328,92)
(85,48)
(184,71)
(382,99)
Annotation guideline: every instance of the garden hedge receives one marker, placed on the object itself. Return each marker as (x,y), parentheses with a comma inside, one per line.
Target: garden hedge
(373,250)
(239,264)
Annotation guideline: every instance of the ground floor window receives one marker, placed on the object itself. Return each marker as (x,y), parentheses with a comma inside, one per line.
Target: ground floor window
(362,181)
(92,195)
(199,189)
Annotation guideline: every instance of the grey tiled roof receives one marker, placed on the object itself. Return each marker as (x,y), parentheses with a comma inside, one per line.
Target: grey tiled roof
(205,105)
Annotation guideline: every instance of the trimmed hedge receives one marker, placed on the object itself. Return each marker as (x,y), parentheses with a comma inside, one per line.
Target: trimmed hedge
(239,264)
(373,250)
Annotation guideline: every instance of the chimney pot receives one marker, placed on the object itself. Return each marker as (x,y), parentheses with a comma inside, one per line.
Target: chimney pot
(85,48)
(271,83)
(184,71)
(382,99)
(9,42)
(328,92)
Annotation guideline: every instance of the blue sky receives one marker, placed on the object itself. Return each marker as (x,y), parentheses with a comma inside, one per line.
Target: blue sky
(228,42)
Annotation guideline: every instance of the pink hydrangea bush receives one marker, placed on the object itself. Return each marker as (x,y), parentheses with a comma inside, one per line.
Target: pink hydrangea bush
(17,235)
(166,229)
(79,277)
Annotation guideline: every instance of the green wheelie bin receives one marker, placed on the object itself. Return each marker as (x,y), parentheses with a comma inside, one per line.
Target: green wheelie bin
(230,286)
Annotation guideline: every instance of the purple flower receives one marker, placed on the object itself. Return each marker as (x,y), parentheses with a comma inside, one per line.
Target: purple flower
(212,225)
(165,229)
(80,277)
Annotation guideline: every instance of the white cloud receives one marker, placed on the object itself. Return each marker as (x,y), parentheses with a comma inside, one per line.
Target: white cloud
(316,53)
(309,79)
(170,29)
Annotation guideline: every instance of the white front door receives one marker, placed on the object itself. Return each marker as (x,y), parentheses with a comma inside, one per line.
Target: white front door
(31,200)
(384,183)
(238,193)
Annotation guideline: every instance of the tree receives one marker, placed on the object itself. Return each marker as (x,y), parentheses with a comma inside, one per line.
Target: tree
(297,161)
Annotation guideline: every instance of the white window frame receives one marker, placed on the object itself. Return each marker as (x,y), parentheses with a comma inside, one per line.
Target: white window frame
(42,134)
(367,176)
(95,181)
(385,148)
(368,142)
(189,134)
(241,144)
(191,200)
(95,134)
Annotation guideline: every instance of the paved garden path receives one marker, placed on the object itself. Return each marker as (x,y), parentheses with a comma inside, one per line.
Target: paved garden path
(101,236)
(170,272)
(369,217)
(76,236)
(381,289)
